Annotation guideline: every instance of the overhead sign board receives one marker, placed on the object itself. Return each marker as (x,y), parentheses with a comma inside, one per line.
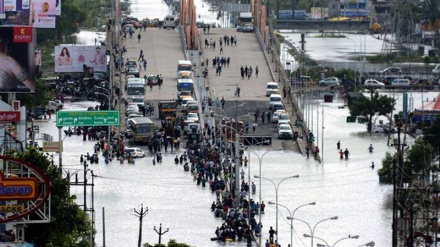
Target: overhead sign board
(49,146)
(87,118)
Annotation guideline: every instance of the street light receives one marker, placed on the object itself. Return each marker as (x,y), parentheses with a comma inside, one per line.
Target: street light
(312,230)
(290,217)
(319,245)
(349,236)
(276,196)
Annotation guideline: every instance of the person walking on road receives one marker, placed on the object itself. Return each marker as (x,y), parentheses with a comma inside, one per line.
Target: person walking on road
(316,152)
(256,71)
(338,145)
(346,153)
(139,38)
(284,92)
(308,152)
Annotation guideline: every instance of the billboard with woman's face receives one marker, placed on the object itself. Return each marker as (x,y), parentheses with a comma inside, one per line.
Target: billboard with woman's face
(17,60)
(73,58)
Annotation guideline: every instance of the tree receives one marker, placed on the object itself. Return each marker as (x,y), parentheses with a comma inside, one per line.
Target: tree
(432,134)
(171,243)
(367,108)
(40,98)
(429,13)
(69,226)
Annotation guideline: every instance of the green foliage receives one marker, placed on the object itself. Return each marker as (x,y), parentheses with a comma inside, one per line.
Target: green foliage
(381,105)
(38,99)
(171,243)
(432,134)
(386,172)
(69,226)
(418,158)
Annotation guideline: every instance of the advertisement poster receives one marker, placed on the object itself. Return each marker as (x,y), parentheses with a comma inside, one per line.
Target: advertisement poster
(44,21)
(17,12)
(47,7)
(73,58)
(17,63)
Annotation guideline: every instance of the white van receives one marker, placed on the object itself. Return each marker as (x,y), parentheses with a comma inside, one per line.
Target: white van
(400,82)
(275,98)
(184,67)
(272,88)
(169,21)
(134,152)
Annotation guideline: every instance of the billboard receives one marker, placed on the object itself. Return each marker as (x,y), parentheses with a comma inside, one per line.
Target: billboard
(17,60)
(73,58)
(17,12)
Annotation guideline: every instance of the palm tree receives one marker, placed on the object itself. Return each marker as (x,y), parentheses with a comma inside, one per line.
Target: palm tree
(429,13)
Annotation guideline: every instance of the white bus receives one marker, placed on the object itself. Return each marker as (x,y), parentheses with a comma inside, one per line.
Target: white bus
(169,21)
(135,87)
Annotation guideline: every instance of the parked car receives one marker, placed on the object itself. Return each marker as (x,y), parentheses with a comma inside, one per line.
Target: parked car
(272,88)
(329,81)
(278,106)
(133,71)
(284,118)
(277,114)
(193,117)
(373,83)
(285,131)
(246,28)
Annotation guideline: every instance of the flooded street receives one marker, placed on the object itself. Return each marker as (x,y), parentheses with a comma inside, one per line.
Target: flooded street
(348,189)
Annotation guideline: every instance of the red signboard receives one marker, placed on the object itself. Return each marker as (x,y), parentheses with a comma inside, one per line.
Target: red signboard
(9,116)
(22,35)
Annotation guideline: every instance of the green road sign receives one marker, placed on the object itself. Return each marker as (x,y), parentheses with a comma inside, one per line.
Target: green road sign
(87,118)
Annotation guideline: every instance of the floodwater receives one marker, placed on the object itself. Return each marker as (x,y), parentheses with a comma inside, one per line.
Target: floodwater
(348,189)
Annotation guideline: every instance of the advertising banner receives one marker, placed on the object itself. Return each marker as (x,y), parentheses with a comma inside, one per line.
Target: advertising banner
(17,63)
(17,12)
(73,58)
(22,35)
(41,21)
(47,7)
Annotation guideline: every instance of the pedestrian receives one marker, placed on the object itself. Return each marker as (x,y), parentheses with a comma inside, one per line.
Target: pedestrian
(316,152)
(207,62)
(268,116)
(237,92)
(289,91)
(139,38)
(338,145)
(221,50)
(370,148)
(262,207)
(346,153)
(272,232)
(242,173)
(284,92)
(223,102)
(341,154)
(256,71)
(262,117)
(145,64)
(307,151)
(254,127)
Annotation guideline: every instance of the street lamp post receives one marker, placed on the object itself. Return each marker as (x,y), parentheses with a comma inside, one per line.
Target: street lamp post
(348,237)
(318,245)
(312,230)
(369,244)
(290,217)
(276,197)
(160,233)
(260,162)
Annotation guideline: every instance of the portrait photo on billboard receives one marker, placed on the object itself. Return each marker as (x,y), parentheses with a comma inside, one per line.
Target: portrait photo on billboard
(73,58)
(17,63)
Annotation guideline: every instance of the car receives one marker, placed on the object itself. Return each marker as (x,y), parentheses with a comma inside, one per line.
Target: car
(373,83)
(276,115)
(285,131)
(391,70)
(329,81)
(275,98)
(193,117)
(133,71)
(383,128)
(277,106)
(131,64)
(134,152)
(101,75)
(272,88)
(182,94)
(185,101)
(246,28)
(283,118)
(153,78)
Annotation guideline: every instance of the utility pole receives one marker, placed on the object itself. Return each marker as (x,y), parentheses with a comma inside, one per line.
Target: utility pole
(160,233)
(141,215)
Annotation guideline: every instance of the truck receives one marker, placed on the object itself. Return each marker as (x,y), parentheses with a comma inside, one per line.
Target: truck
(167,109)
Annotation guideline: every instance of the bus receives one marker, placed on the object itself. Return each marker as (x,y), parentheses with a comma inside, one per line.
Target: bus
(135,87)
(244,17)
(185,85)
(183,66)
(142,129)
